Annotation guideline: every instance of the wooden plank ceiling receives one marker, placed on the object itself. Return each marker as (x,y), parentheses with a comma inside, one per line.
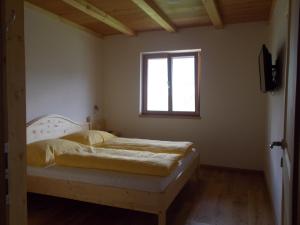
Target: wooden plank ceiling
(130,17)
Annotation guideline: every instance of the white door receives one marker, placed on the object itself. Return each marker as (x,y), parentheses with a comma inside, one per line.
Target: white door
(291,133)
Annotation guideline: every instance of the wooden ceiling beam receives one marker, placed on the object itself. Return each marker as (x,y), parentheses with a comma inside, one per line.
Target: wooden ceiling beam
(150,8)
(213,13)
(100,15)
(62,19)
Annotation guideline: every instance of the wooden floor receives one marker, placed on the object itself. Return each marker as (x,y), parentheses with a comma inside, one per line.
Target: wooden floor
(219,197)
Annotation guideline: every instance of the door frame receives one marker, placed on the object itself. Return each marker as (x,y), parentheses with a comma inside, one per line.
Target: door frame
(296,163)
(3,181)
(15,110)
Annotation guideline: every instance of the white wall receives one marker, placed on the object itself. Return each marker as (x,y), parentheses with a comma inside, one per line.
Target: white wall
(277,45)
(232,129)
(63,68)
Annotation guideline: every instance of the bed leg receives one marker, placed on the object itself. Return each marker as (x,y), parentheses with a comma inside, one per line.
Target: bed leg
(162,218)
(196,174)
(198,171)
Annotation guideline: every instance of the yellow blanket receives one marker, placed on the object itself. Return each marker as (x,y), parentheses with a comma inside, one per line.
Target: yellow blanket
(177,147)
(139,162)
(43,153)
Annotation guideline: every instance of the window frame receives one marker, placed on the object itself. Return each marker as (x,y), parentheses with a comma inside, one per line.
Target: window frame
(144,84)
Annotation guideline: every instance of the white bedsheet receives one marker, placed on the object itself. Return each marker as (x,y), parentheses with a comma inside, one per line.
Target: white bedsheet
(114,179)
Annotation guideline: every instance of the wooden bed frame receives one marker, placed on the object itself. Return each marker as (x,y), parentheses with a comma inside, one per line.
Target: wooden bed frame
(55,126)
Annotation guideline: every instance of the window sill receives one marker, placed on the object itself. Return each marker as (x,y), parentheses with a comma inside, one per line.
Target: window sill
(170,116)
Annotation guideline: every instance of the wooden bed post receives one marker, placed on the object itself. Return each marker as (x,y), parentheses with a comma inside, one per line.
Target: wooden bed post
(196,174)
(198,171)
(162,218)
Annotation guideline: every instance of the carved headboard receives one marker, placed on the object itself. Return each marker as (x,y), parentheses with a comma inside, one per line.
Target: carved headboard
(52,126)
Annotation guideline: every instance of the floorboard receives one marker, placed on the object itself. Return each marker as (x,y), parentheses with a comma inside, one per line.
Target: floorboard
(218,197)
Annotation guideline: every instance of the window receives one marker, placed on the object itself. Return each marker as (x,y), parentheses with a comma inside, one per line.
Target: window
(170,84)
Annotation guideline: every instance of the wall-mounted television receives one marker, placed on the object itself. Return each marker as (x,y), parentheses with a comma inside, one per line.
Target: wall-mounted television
(267,71)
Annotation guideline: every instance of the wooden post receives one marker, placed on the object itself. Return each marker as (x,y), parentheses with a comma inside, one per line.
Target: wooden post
(162,218)
(3,188)
(16,111)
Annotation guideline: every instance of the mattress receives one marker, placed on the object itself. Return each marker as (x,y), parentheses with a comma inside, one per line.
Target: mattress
(114,179)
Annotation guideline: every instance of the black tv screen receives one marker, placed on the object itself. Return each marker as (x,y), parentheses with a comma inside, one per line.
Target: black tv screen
(267,81)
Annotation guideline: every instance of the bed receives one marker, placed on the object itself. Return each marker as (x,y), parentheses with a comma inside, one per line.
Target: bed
(151,194)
